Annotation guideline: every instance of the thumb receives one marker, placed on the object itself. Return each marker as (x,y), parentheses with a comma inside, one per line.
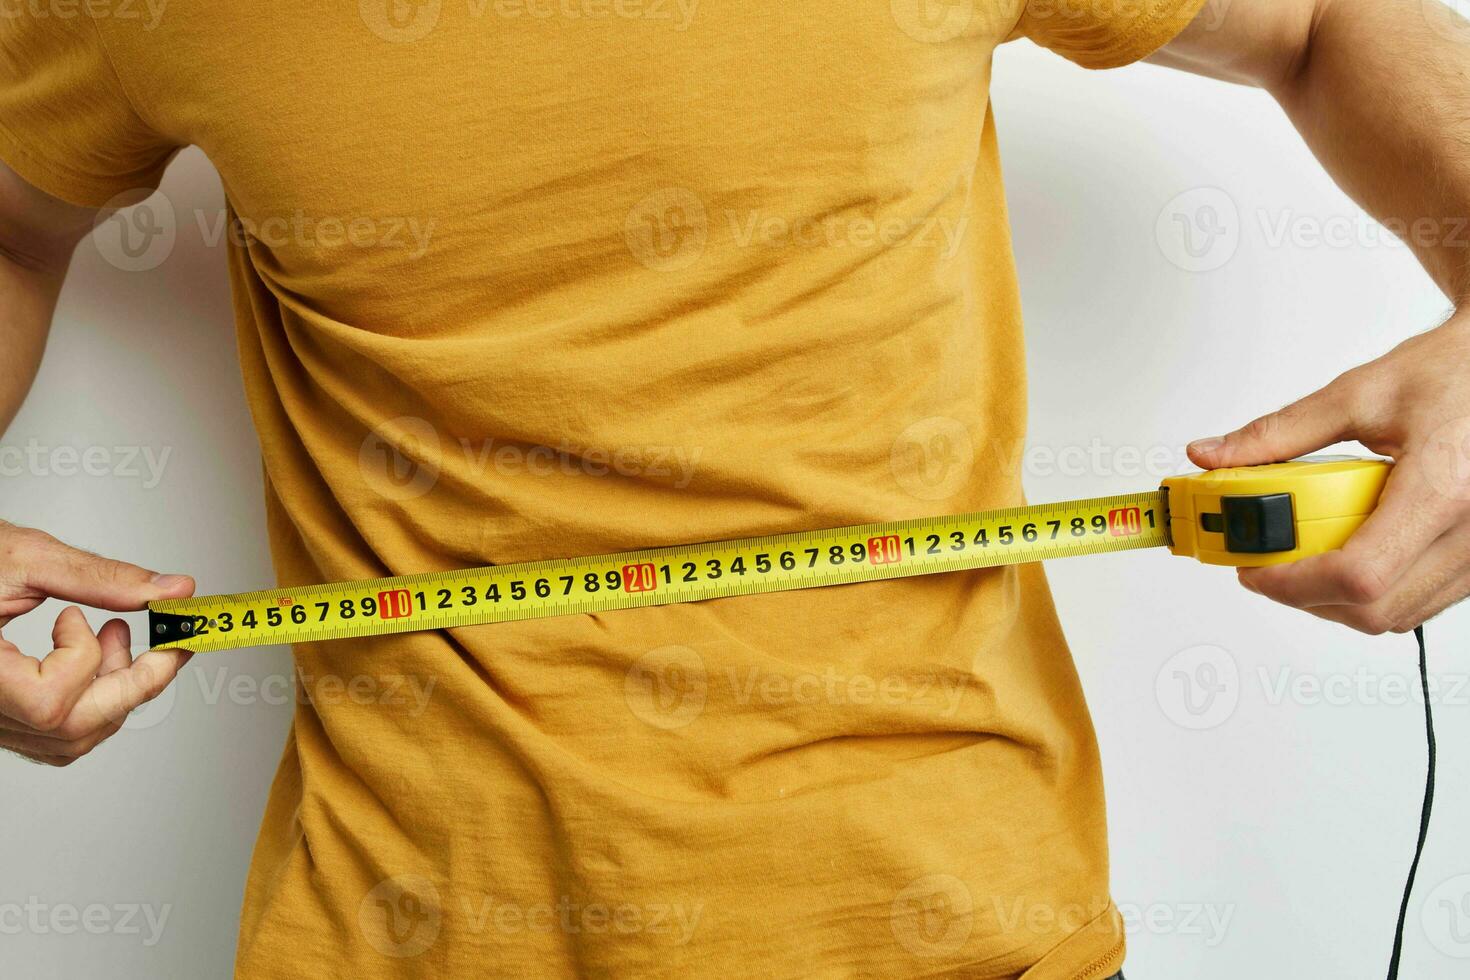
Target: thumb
(1318,420)
(41,563)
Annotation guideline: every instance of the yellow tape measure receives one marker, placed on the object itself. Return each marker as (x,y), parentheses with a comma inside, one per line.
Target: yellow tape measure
(1245,516)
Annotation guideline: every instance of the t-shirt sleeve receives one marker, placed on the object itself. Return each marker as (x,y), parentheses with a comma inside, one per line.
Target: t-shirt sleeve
(1105,33)
(66,124)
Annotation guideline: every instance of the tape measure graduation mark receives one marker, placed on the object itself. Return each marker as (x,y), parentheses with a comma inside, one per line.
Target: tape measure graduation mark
(1244,516)
(1260,515)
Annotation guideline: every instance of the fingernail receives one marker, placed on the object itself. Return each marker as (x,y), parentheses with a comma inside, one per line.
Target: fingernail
(167,582)
(1206,445)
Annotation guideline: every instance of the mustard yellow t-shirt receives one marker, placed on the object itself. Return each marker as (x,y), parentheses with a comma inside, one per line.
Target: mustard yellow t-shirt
(519,279)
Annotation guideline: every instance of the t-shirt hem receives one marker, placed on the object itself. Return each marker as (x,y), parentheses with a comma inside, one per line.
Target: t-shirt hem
(1094,952)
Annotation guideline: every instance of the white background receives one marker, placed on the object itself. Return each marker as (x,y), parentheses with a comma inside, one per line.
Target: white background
(1262,833)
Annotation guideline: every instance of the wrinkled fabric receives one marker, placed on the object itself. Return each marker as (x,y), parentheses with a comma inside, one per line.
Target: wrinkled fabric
(518,280)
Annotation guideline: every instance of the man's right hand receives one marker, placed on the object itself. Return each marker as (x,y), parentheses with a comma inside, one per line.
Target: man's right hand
(57,709)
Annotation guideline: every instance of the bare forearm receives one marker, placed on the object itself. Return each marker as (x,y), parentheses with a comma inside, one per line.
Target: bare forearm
(37,236)
(1381,93)
(1383,98)
(27,301)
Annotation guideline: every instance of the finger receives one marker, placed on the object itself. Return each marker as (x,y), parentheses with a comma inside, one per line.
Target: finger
(12,725)
(1405,528)
(37,561)
(1362,619)
(45,760)
(113,696)
(18,606)
(1445,599)
(76,655)
(41,693)
(1435,583)
(78,725)
(1318,420)
(116,638)
(55,748)
(1352,617)
(115,642)
(1332,579)
(1431,584)
(1402,529)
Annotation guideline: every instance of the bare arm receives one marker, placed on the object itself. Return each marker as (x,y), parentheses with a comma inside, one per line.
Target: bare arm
(58,708)
(1381,93)
(37,236)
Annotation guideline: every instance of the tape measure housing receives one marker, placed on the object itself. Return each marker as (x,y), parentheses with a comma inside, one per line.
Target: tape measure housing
(1274,514)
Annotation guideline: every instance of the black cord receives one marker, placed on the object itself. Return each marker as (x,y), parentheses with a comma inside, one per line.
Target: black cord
(1398,938)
